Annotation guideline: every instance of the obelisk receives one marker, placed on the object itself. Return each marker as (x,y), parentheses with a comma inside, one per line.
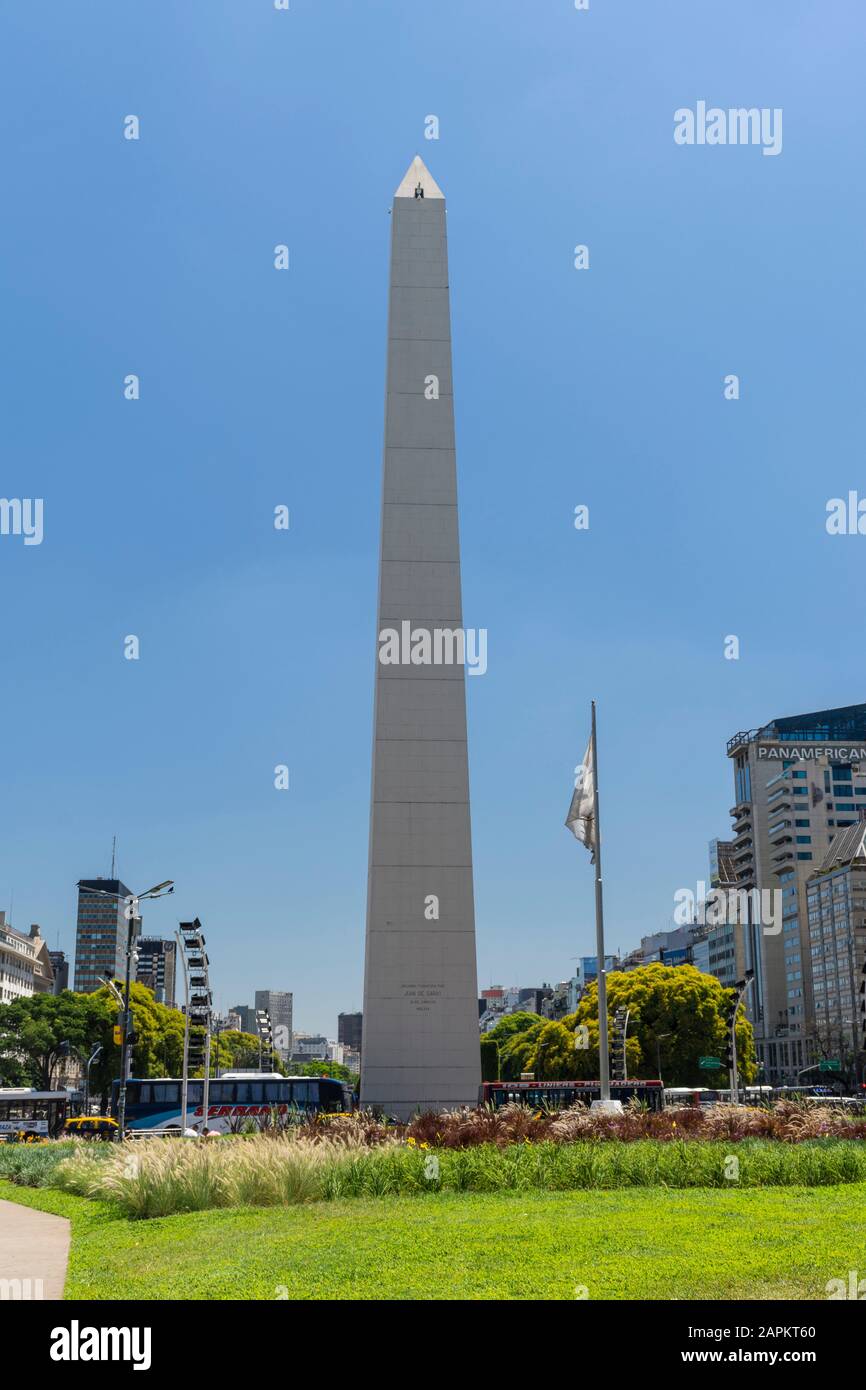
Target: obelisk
(420,1046)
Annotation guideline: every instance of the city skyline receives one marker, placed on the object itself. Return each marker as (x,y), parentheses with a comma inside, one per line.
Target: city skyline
(255,643)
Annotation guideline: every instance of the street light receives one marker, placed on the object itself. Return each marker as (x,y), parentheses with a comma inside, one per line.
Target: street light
(91,1059)
(660,1037)
(132,900)
(738,991)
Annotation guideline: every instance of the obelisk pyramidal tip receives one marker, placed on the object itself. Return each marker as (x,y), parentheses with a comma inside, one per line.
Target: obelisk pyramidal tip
(420,1046)
(417,177)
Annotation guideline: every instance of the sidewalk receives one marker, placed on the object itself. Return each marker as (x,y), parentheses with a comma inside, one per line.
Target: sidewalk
(33,1246)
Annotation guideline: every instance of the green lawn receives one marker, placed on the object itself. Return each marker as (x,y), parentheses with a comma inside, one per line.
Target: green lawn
(643,1243)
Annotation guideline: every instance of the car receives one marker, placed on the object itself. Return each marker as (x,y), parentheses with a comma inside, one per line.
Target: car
(90,1127)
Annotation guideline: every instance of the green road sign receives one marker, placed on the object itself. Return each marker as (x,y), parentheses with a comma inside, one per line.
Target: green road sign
(710,1063)
(832,1065)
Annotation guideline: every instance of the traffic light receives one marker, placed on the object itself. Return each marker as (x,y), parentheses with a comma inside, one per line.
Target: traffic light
(118,1035)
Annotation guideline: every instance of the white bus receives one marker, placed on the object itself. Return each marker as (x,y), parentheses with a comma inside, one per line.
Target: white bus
(44,1113)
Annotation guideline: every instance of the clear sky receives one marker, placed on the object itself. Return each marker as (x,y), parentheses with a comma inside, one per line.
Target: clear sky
(601,387)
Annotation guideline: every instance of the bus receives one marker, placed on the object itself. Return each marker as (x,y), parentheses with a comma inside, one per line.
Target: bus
(559,1095)
(42,1113)
(693,1095)
(709,1095)
(153,1104)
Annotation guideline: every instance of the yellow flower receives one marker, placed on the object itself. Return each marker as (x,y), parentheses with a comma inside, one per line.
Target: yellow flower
(411,1142)
(424,1146)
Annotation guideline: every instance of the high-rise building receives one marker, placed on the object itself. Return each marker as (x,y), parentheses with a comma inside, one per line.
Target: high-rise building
(350,1028)
(156,965)
(278,1003)
(798,781)
(100,933)
(420,984)
(247,1015)
(836,902)
(60,966)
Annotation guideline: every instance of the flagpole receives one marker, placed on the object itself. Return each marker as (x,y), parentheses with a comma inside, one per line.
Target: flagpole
(603,1054)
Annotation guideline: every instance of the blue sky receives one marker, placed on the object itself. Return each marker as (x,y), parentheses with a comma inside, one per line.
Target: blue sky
(603,387)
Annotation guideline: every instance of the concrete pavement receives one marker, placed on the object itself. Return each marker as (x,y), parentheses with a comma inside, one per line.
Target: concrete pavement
(34,1250)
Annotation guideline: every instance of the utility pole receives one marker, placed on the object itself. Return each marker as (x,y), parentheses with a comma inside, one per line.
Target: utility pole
(737,994)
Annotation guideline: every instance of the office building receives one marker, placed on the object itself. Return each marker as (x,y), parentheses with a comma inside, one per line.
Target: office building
(155,967)
(278,1003)
(246,1015)
(836,905)
(798,781)
(350,1028)
(100,933)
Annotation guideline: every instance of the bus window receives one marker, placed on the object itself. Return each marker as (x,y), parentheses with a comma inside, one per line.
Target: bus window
(301,1093)
(166,1092)
(274,1092)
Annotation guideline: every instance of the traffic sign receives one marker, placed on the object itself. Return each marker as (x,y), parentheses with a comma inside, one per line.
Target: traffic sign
(710,1063)
(832,1065)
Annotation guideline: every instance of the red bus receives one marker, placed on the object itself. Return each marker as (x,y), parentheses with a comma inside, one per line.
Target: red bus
(559,1095)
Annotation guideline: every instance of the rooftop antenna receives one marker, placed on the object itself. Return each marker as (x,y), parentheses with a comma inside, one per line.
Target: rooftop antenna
(113,854)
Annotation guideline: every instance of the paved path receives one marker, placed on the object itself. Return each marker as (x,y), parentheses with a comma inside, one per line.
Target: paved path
(33,1245)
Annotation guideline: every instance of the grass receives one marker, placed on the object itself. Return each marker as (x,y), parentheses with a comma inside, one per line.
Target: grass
(33,1165)
(637,1244)
(157,1178)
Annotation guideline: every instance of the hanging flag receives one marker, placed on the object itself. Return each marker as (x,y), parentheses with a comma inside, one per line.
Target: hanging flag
(581,815)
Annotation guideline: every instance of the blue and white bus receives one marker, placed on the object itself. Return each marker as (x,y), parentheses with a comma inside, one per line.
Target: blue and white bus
(153,1104)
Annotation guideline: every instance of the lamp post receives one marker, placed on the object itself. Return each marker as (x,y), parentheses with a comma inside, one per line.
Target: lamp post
(660,1037)
(91,1059)
(739,990)
(130,911)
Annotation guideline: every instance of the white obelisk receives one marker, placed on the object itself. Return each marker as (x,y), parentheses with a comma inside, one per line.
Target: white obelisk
(420,1046)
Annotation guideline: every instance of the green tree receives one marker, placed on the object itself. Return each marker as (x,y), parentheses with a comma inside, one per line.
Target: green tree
(517,1052)
(489,1059)
(677,1015)
(37,1033)
(584,1062)
(552,1058)
(334,1069)
(510,1024)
